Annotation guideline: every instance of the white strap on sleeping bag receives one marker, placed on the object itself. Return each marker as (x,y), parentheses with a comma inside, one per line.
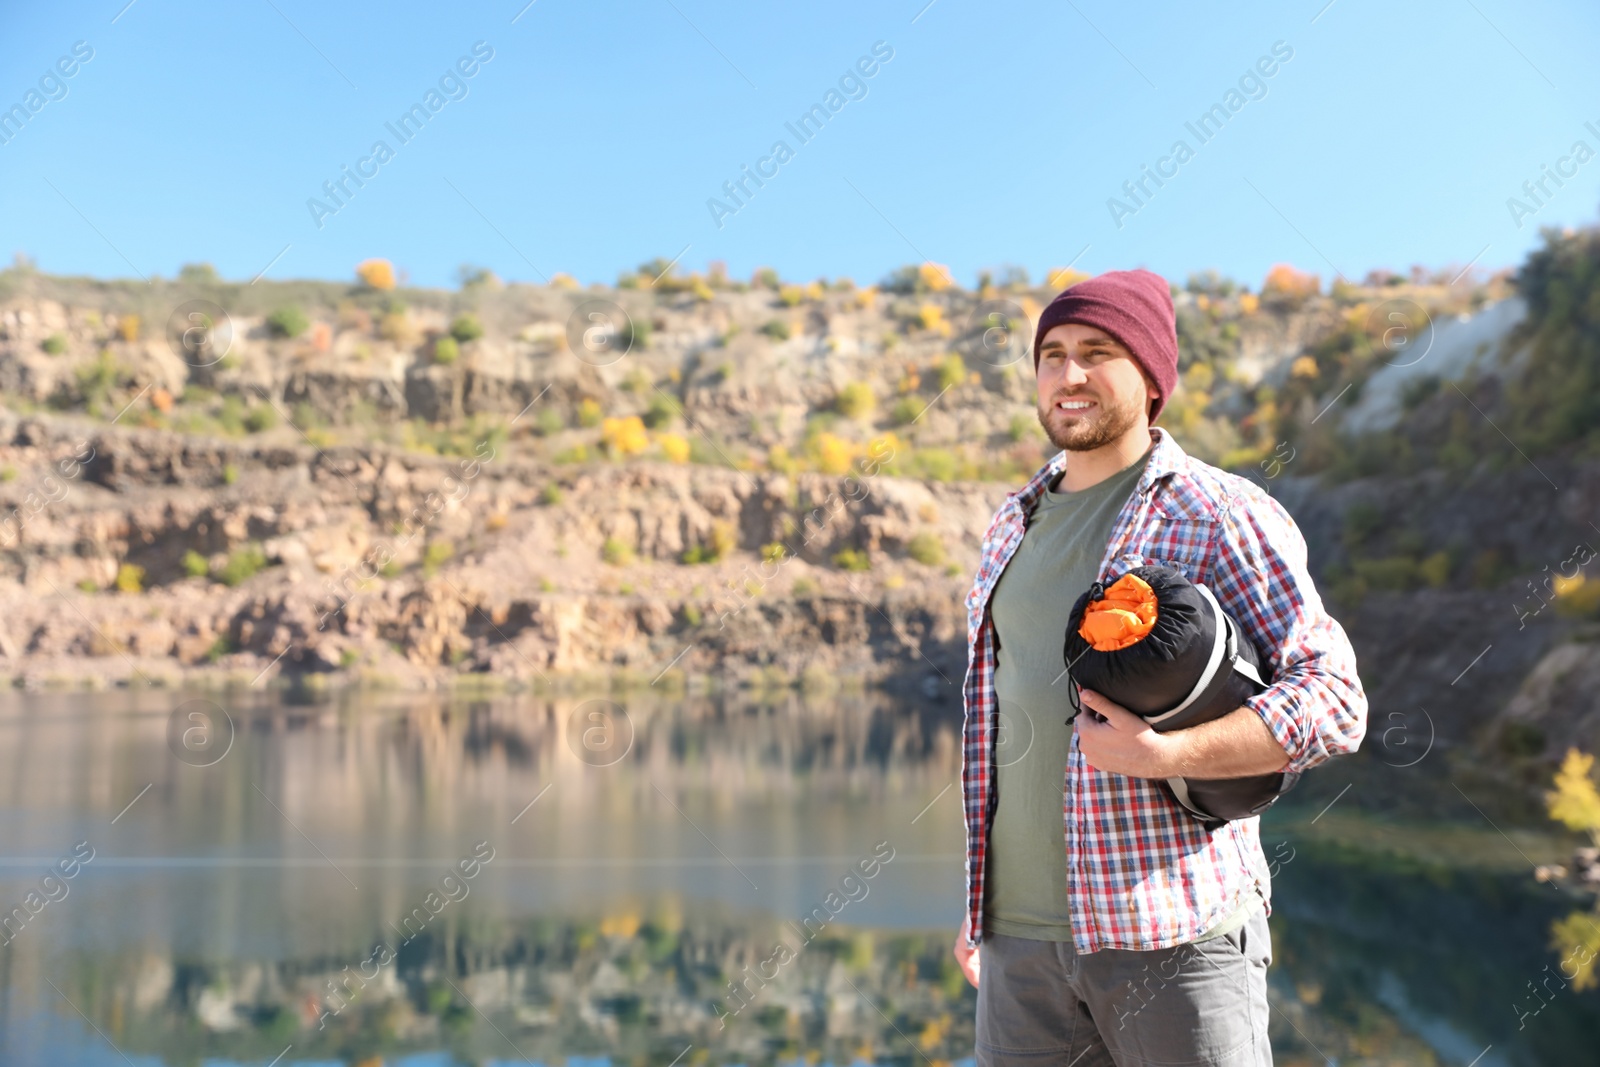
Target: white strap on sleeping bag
(1222,645)
(1180,790)
(1212,664)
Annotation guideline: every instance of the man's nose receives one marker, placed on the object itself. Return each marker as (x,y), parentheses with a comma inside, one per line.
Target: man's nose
(1074,373)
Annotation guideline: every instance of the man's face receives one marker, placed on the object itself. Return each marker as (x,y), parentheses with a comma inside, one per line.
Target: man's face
(1079,365)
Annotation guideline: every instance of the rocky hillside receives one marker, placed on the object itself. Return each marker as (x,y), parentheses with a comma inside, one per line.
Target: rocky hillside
(685,478)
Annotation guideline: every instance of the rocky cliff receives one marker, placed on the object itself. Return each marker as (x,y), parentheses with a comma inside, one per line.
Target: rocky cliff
(756,483)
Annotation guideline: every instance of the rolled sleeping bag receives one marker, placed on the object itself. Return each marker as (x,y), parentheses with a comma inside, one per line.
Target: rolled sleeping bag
(1162,647)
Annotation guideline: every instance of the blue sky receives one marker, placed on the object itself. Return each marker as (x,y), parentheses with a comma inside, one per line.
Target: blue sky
(595,136)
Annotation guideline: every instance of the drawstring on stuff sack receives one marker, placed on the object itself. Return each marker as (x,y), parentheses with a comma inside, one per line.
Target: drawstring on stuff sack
(1097,591)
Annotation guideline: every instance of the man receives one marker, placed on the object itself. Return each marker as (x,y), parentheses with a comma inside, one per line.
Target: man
(1144,939)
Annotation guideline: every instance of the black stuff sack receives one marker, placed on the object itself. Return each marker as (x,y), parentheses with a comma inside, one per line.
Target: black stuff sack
(1164,648)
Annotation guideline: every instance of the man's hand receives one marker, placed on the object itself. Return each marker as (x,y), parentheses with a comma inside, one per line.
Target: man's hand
(1235,746)
(967,958)
(1122,743)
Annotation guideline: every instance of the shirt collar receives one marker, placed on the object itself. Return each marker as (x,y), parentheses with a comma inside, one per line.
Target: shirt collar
(1166,456)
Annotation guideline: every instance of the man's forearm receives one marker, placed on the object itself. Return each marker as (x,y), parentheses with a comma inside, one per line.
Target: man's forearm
(1234,746)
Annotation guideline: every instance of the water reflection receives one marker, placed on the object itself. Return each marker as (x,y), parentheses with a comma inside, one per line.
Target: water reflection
(639,880)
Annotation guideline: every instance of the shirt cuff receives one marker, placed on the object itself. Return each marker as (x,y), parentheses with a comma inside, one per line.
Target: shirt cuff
(1279,708)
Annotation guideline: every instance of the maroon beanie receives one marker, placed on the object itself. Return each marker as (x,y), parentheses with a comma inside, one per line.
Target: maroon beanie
(1135,308)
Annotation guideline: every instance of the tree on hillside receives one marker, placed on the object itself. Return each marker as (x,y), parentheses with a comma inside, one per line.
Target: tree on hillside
(1556,397)
(1575,802)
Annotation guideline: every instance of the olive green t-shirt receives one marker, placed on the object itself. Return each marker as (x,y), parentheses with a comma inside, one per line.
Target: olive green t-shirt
(1025,882)
(1026,864)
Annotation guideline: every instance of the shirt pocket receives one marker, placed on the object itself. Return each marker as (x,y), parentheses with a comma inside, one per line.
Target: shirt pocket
(1185,545)
(1129,560)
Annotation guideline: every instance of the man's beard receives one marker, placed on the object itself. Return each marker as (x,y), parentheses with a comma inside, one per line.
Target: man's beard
(1087,433)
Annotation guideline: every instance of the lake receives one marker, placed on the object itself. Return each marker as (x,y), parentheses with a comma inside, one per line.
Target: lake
(363,878)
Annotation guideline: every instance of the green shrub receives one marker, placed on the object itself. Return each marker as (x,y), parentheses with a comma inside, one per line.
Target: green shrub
(852,559)
(260,418)
(435,555)
(55,344)
(548,422)
(1210,283)
(130,578)
(194,564)
(1435,569)
(937,464)
(926,548)
(97,380)
(1360,523)
(242,564)
(288,321)
(1553,399)
(1491,568)
(905,410)
(1521,739)
(635,333)
(466,328)
(230,474)
(1418,390)
(803,587)
(855,400)
(616,553)
(1397,573)
(578,453)
(662,410)
(231,416)
(719,544)
(776,329)
(952,371)
(446,350)
(550,495)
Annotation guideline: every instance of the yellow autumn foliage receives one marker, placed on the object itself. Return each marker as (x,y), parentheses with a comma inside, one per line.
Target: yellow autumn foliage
(832,453)
(377,273)
(624,925)
(1574,801)
(674,447)
(624,436)
(1285,280)
(1061,277)
(936,276)
(931,317)
(1577,938)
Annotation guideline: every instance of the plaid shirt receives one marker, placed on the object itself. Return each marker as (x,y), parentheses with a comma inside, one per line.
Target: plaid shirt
(1143,873)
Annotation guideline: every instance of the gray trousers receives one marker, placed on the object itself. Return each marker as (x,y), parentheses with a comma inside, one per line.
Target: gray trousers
(1040,1004)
